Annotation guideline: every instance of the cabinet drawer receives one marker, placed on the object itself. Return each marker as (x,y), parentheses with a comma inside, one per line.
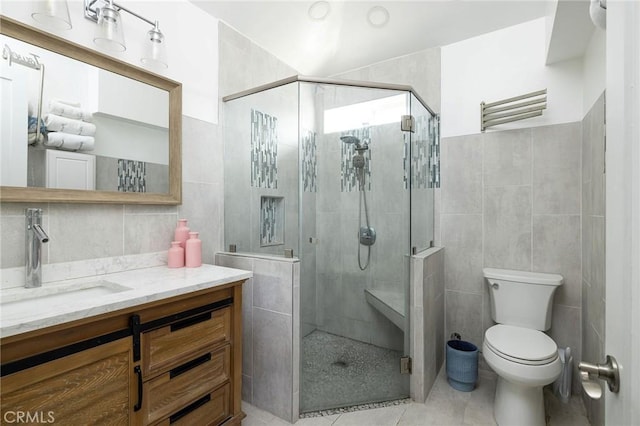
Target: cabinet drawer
(172,391)
(173,345)
(211,409)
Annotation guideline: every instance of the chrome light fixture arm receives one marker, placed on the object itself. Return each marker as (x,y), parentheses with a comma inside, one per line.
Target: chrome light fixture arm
(110,36)
(91,11)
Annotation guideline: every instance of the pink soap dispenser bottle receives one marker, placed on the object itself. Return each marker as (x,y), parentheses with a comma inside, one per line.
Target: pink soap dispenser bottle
(193,251)
(182,232)
(175,258)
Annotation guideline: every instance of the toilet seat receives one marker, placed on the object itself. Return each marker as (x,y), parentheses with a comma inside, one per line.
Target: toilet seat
(521,345)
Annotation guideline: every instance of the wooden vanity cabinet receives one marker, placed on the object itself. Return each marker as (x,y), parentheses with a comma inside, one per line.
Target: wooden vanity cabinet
(179,362)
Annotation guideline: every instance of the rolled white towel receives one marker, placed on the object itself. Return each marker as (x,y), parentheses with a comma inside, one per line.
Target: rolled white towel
(69,142)
(56,123)
(31,138)
(65,110)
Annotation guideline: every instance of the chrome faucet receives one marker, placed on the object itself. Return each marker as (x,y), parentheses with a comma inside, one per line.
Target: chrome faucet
(35,236)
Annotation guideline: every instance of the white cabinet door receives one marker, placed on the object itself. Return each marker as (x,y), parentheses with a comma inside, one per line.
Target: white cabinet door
(70,170)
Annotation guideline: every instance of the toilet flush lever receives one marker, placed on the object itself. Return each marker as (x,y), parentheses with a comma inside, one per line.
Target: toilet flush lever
(608,371)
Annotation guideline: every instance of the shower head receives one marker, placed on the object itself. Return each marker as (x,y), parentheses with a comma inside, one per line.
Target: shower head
(350,139)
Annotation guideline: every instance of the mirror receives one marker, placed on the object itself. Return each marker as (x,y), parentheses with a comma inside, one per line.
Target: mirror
(109,132)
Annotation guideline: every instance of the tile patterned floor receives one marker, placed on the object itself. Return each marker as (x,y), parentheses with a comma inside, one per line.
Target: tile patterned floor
(444,406)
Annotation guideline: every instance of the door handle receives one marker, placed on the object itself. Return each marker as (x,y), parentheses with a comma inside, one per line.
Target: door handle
(609,371)
(138,372)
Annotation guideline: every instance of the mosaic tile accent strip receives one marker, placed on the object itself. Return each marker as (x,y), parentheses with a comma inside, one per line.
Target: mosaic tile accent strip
(132,176)
(309,161)
(264,150)
(424,164)
(271,221)
(434,154)
(348,177)
(353,408)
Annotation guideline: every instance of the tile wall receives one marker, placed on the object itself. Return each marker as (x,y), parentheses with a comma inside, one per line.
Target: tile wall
(310,135)
(262,161)
(593,247)
(270,334)
(271,298)
(512,200)
(341,305)
(427,320)
(421,70)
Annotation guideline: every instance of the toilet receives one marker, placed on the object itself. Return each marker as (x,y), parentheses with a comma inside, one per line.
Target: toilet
(524,357)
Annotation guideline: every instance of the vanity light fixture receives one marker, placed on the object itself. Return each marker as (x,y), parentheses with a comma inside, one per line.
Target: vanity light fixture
(110,34)
(155,49)
(53,14)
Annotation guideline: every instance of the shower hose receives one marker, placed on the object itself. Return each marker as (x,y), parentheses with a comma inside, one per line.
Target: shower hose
(363,200)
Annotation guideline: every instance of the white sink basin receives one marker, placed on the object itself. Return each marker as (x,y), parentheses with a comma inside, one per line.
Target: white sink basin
(25,302)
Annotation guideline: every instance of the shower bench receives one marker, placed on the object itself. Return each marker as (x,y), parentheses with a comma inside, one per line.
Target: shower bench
(388,303)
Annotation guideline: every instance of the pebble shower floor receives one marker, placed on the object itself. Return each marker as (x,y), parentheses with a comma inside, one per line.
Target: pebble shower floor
(340,372)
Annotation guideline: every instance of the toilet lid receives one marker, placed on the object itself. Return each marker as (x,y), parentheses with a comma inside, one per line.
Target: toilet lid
(522,345)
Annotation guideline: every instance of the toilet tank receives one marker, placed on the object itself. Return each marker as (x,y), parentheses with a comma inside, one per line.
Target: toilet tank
(521,298)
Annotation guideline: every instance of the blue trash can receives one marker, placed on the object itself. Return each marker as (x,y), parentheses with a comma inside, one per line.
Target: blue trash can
(462,365)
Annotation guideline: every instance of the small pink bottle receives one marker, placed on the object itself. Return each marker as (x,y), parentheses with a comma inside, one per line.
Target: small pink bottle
(193,251)
(182,232)
(175,258)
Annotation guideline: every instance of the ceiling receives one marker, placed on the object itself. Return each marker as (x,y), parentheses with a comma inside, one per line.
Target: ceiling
(344,40)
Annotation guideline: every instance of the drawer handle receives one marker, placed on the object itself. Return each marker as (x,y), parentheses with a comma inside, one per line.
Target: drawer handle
(189,365)
(189,408)
(190,321)
(138,372)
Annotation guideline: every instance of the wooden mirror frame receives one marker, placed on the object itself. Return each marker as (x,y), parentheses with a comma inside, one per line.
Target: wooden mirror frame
(34,36)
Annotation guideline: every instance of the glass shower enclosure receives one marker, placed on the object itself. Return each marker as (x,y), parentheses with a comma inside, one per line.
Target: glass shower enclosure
(342,173)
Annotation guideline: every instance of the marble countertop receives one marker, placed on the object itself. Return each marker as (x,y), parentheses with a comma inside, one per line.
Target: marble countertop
(140,286)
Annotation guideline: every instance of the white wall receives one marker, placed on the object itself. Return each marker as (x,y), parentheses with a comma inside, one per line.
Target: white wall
(569,29)
(118,138)
(124,97)
(502,64)
(595,72)
(192,45)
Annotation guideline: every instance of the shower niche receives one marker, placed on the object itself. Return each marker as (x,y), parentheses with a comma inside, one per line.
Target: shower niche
(359,201)
(271,221)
